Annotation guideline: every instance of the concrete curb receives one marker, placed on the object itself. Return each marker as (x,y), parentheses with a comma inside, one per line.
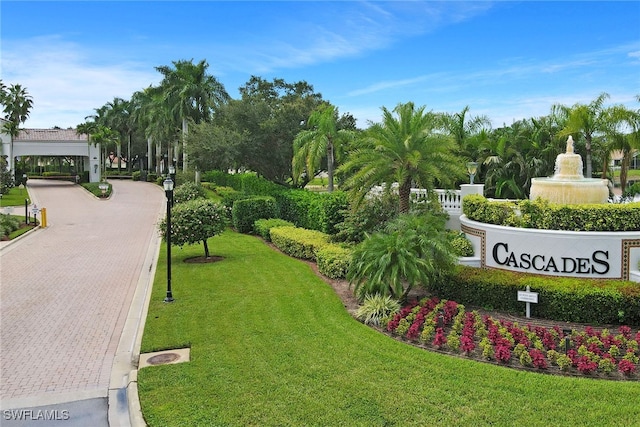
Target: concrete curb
(124,404)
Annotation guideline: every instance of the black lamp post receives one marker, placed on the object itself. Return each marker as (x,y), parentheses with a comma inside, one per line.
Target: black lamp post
(168,189)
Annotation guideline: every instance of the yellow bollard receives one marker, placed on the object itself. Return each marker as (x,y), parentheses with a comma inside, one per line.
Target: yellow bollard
(43,217)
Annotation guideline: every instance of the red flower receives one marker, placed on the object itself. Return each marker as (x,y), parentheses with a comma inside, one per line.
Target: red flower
(627,367)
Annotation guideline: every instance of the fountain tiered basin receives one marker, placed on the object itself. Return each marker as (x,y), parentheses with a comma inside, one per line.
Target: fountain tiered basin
(568,185)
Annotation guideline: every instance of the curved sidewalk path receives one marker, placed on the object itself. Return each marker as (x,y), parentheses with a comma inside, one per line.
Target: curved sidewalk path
(72,296)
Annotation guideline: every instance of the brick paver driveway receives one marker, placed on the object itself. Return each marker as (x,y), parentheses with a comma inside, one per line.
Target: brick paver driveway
(65,290)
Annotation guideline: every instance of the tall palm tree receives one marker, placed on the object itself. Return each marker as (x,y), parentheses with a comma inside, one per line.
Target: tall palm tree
(16,105)
(586,120)
(465,130)
(406,148)
(191,93)
(322,139)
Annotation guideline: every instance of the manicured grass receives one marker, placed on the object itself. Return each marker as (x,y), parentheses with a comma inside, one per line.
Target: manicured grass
(271,344)
(14,197)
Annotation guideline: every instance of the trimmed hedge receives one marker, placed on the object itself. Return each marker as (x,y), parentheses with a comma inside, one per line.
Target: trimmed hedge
(560,298)
(333,261)
(299,242)
(547,216)
(262,227)
(245,212)
(313,211)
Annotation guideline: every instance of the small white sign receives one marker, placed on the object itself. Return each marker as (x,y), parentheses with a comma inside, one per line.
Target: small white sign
(526,296)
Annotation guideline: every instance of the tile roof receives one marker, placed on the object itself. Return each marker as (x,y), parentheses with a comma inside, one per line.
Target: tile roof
(50,135)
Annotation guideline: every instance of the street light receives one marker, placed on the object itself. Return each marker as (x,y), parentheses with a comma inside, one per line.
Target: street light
(103,186)
(168,190)
(472,168)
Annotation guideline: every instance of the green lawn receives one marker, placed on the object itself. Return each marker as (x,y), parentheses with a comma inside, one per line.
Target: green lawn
(14,197)
(271,344)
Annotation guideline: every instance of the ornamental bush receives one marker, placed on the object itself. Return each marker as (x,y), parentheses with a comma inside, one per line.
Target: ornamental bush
(188,191)
(195,221)
(247,211)
(299,242)
(547,216)
(333,260)
(560,298)
(262,227)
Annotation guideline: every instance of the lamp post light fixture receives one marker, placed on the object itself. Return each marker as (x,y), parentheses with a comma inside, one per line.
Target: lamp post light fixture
(472,169)
(103,186)
(168,190)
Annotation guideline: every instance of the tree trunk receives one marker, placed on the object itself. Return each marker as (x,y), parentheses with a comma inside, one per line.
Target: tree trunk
(158,158)
(587,159)
(624,169)
(206,248)
(404,192)
(185,130)
(149,154)
(330,160)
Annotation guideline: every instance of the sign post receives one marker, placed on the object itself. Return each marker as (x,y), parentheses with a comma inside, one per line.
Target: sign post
(528,297)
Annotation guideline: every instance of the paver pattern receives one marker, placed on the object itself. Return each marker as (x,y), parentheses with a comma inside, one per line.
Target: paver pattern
(65,290)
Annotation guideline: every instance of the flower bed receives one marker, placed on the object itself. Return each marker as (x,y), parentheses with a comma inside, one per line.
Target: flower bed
(446,326)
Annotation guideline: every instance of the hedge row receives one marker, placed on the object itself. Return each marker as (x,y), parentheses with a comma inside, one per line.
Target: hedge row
(245,212)
(305,209)
(546,216)
(559,298)
(332,260)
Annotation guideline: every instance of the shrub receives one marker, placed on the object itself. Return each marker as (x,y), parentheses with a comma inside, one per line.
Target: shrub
(462,246)
(188,191)
(369,217)
(333,261)
(195,221)
(631,191)
(413,251)
(542,215)
(377,307)
(262,227)
(135,175)
(560,298)
(299,242)
(8,224)
(247,211)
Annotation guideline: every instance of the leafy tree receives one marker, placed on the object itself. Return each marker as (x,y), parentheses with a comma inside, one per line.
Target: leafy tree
(322,139)
(195,221)
(269,115)
(191,93)
(414,250)
(408,149)
(213,147)
(16,105)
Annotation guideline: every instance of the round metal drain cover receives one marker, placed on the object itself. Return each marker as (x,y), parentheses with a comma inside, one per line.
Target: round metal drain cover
(163,358)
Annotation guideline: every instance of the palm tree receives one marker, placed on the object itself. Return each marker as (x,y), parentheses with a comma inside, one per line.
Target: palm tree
(323,138)
(465,130)
(586,120)
(413,250)
(16,105)
(407,149)
(191,93)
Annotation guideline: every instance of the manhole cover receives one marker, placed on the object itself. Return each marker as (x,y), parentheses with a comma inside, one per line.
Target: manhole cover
(163,358)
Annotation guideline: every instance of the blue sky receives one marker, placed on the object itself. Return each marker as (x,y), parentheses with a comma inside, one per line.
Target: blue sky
(507,60)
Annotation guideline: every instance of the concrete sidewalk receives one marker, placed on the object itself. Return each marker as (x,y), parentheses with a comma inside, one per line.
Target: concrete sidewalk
(72,299)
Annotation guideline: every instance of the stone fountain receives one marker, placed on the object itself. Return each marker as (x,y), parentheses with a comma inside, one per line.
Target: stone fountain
(568,185)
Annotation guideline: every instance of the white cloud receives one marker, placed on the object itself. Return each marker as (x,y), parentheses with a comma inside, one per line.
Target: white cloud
(67,82)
